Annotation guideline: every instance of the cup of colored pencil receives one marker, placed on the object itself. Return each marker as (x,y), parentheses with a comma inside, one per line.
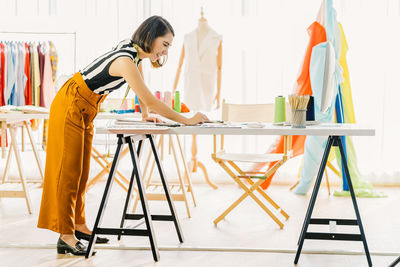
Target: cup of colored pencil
(298,103)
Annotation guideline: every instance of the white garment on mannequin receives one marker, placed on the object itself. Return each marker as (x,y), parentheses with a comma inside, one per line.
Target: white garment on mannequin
(201,49)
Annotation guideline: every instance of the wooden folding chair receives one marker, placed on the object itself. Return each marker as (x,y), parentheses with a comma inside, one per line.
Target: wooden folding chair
(253,113)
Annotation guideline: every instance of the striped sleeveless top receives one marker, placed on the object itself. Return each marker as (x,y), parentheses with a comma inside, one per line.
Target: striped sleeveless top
(96,75)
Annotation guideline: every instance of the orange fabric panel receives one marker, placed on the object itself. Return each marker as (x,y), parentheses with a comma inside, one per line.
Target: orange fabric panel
(298,149)
(303,87)
(317,35)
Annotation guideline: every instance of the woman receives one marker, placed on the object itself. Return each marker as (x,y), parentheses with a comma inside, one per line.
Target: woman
(71,127)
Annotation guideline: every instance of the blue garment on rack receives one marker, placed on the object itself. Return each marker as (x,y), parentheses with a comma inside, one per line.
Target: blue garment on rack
(11,77)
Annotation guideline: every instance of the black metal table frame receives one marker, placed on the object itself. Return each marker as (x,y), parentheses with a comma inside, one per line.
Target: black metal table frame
(148,218)
(332,141)
(395,262)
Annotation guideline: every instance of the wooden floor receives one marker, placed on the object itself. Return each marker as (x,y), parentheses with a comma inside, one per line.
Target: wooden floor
(247,237)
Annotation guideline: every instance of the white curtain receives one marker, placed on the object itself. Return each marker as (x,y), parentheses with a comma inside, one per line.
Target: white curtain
(263,47)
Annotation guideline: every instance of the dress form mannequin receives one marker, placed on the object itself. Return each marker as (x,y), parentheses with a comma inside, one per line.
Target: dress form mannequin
(202,32)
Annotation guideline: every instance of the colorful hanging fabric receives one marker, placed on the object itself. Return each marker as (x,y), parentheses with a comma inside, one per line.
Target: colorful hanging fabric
(26,74)
(23,68)
(303,87)
(344,111)
(315,145)
(362,188)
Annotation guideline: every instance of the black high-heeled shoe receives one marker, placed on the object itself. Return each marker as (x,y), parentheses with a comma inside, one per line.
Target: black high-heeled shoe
(79,249)
(99,240)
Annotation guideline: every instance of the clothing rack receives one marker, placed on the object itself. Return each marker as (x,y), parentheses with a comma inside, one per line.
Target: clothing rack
(21,187)
(46,33)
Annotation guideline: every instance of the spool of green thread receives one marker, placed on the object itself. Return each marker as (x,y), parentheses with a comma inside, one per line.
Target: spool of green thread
(280,110)
(177,102)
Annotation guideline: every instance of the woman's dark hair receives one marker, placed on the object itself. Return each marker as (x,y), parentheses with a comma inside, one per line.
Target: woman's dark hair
(148,31)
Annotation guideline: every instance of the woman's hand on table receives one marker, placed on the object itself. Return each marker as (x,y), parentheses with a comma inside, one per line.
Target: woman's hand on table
(152,119)
(197,118)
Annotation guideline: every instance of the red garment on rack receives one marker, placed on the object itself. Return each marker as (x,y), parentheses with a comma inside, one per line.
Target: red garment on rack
(28,87)
(2,78)
(41,70)
(2,82)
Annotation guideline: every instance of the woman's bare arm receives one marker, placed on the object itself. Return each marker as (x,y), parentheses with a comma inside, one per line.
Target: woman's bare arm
(143,107)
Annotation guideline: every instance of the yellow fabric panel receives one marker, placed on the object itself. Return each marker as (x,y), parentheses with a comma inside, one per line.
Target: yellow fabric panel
(347,99)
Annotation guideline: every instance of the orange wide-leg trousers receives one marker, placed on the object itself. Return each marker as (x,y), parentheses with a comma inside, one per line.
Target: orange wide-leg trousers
(69,146)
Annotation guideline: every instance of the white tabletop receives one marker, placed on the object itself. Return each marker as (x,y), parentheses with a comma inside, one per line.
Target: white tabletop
(269,129)
(9,117)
